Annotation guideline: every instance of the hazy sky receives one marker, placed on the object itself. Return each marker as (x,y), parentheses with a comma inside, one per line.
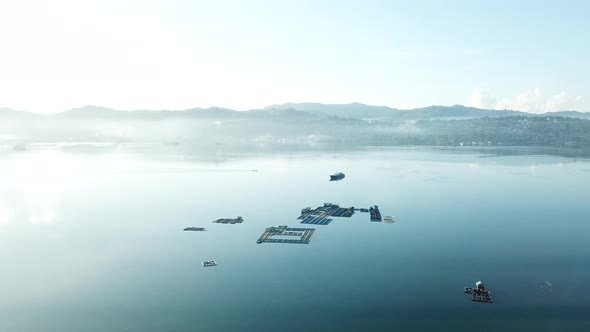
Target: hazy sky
(527,55)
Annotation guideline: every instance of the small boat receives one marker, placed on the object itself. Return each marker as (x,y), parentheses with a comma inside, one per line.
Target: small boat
(337,176)
(209,263)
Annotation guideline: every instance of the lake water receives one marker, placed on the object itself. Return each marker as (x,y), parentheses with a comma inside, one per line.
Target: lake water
(94,242)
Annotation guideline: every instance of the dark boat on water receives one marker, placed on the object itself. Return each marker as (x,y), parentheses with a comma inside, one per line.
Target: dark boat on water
(337,177)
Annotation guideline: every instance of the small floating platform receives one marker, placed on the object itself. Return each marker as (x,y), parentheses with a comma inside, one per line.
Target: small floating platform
(479,293)
(209,263)
(195,229)
(302,235)
(232,221)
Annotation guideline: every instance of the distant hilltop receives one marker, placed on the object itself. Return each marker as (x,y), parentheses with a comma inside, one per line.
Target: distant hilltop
(352,110)
(298,125)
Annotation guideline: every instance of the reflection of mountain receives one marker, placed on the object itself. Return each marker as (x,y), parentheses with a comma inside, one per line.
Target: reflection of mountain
(302,124)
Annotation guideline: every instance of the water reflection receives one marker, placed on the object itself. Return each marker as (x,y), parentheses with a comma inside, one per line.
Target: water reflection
(6,214)
(439,179)
(128,263)
(473,166)
(42,211)
(32,184)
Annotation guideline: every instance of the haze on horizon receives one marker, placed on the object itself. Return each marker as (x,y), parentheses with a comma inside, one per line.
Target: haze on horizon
(242,55)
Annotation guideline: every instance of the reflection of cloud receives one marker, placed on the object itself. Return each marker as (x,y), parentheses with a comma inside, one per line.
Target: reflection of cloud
(34,208)
(32,183)
(42,213)
(6,215)
(473,166)
(439,179)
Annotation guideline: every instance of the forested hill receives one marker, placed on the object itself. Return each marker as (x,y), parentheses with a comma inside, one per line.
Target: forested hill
(288,126)
(517,130)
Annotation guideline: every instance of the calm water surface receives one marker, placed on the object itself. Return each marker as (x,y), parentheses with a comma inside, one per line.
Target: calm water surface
(94,242)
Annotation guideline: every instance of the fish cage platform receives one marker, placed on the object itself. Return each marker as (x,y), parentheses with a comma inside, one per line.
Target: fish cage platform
(209,263)
(479,295)
(195,229)
(375,213)
(232,221)
(301,235)
(316,220)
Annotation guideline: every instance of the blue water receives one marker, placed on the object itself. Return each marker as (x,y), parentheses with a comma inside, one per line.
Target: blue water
(94,241)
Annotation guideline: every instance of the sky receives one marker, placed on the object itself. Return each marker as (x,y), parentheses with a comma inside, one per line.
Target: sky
(531,56)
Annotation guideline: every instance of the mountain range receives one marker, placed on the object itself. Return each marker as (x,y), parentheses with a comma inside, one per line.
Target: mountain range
(304,124)
(294,110)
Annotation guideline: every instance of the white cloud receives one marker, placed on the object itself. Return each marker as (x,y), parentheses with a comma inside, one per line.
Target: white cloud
(534,101)
(504,104)
(562,101)
(420,54)
(530,101)
(128,55)
(403,54)
(481,99)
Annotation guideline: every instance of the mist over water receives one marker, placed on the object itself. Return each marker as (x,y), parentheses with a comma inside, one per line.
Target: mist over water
(92,240)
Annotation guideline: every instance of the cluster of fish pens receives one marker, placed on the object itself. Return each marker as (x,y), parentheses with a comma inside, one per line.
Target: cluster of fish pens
(319,216)
(285,234)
